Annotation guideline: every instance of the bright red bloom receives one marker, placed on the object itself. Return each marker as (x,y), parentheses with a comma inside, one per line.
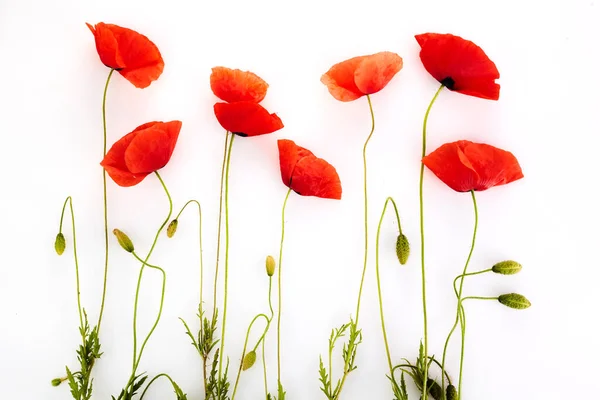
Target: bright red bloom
(246,118)
(132,54)
(363,75)
(466,166)
(139,153)
(306,174)
(234,85)
(459,64)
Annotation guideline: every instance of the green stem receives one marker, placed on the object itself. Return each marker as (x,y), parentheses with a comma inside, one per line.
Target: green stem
(152,381)
(225,152)
(222,351)
(478,298)
(468,274)
(263,341)
(200,246)
(422,223)
(279,286)
(459,317)
(105,204)
(237,379)
(385,340)
(139,282)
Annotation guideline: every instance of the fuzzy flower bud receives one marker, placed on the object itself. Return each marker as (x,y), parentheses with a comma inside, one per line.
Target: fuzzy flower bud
(451,393)
(435,389)
(270,265)
(514,300)
(402,248)
(507,267)
(124,241)
(249,360)
(60,244)
(56,382)
(172,228)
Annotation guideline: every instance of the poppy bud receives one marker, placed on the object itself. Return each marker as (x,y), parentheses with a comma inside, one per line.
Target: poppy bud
(451,393)
(249,360)
(270,264)
(514,300)
(507,267)
(60,244)
(124,241)
(172,228)
(435,389)
(56,381)
(402,248)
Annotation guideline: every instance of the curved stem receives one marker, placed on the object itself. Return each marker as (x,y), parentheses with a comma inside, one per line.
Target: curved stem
(162,300)
(385,341)
(237,379)
(279,286)
(200,246)
(139,282)
(227,135)
(464,275)
(264,363)
(152,381)
(222,351)
(263,340)
(105,203)
(422,223)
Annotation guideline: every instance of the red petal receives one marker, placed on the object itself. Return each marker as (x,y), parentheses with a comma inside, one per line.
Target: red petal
(316,177)
(152,147)
(494,166)
(340,80)
(451,166)
(246,118)
(460,64)
(114,163)
(376,71)
(289,154)
(233,85)
(135,57)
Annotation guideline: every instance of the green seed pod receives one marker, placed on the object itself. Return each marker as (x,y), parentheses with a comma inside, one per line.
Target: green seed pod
(270,265)
(451,393)
(514,300)
(172,228)
(60,244)
(402,248)
(56,381)
(507,267)
(124,241)
(249,360)
(435,390)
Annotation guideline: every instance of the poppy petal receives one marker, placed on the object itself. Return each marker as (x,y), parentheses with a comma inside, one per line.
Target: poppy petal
(289,154)
(115,166)
(106,46)
(246,118)
(152,147)
(451,166)
(459,64)
(340,80)
(376,71)
(494,166)
(316,177)
(234,85)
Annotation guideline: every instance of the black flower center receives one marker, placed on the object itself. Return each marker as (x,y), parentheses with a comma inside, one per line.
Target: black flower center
(448,82)
(242,134)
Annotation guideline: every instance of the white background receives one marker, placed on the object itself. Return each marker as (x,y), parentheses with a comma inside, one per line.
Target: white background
(50,98)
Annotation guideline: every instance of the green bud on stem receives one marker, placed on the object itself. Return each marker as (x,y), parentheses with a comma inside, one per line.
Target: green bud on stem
(124,241)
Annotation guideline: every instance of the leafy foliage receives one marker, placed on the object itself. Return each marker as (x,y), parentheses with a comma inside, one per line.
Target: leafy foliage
(132,389)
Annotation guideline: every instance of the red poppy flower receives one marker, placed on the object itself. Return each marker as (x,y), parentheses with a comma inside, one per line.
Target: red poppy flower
(466,166)
(132,54)
(246,118)
(234,85)
(139,153)
(306,174)
(459,64)
(360,76)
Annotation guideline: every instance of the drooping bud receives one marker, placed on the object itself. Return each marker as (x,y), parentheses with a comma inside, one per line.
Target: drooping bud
(172,228)
(508,267)
(402,248)
(60,244)
(435,390)
(270,265)
(451,393)
(124,240)
(514,300)
(249,360)
(56,381)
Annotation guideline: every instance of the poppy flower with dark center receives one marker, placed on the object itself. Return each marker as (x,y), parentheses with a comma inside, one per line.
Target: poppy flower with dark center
(466,166)
(130,53)
(139,153)
(459,64)
(306,174)
(363,75)
(242,91)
